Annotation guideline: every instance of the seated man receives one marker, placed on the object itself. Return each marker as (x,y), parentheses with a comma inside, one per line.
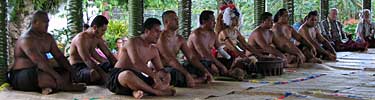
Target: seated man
(31,71)
(332,30)
(288,38)
(262,37)
(311,33)
(169,44)
(131,76)
(366,29)
(83,55)
(203,39)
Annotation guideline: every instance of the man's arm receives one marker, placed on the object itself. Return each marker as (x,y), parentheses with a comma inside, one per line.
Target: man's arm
(135,58)
(104,48)
(261,42)
(59,56)
(188,53)
(223,36)
(325,42)
(303,31)
(170,57)
(304,41)
(34,54)
(247,46)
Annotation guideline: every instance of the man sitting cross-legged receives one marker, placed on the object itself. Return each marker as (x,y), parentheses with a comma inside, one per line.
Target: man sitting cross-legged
(83,55)
(169,44)
(31,71)
(131,76)
(310,32)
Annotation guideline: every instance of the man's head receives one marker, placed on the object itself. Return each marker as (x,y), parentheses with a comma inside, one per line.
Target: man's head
(281,16)
(207,18)
(151,29)
(39,21)
(266,19)
(170,20)
(333,14)
(85,26)
(366,14)
(99,25)
(312,18)
(119,42)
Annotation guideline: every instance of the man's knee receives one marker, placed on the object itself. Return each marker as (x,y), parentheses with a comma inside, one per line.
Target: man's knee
(126,76)
(46,81)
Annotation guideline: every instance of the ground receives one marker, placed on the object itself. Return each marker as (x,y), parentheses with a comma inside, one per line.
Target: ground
(351,77)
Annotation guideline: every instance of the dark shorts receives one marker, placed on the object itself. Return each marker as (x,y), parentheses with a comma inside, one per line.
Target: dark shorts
(83,72)
(114,85)
(24,79)
(177,78)
(196,71)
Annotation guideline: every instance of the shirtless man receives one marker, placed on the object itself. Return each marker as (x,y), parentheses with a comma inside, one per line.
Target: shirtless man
(288,39)
(84,57)
(31,71)
(262,37)
(169,44)
(203,39)
(131,76)
(310,32)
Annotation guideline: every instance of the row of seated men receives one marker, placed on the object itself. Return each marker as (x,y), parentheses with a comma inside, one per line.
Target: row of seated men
(148,63)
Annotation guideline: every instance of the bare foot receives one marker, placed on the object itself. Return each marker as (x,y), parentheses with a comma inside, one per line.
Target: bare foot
(138,94)
(46,91)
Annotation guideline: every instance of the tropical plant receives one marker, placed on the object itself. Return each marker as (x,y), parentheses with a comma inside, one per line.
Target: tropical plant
(75,16)
(63,37)
(116,29)
(259,7)
(3,41)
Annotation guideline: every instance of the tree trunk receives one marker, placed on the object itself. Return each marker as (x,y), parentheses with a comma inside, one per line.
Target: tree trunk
(324,8)
(3,41)
(366,4)
(184,11)
(259,9)
(135,18)
(289,5)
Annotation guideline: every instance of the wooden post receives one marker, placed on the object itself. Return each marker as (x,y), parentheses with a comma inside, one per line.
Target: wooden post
(289,5)
(366,4)
(259,8)
(184,12)
(324,8)
(135,17)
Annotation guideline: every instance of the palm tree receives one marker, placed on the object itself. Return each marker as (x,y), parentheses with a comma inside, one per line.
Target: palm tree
(3,41)
(184,11)
(289,4)
(135,17)
(259,7)
(75,16)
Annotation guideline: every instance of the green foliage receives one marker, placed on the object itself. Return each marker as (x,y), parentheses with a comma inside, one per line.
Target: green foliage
(18,7)
(3,41)
(75,16)
(136,17)
(350,28)
(116,29)
(63,37)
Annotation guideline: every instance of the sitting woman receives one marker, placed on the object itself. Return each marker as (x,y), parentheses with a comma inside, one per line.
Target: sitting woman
(365,29)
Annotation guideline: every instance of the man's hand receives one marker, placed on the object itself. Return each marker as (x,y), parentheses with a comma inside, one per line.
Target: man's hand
(209,77)
(190,81)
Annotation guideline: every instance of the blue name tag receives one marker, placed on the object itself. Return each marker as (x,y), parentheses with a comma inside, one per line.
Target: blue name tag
(49,55)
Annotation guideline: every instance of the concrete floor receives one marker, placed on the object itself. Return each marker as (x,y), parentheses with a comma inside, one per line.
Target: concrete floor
(351,77)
